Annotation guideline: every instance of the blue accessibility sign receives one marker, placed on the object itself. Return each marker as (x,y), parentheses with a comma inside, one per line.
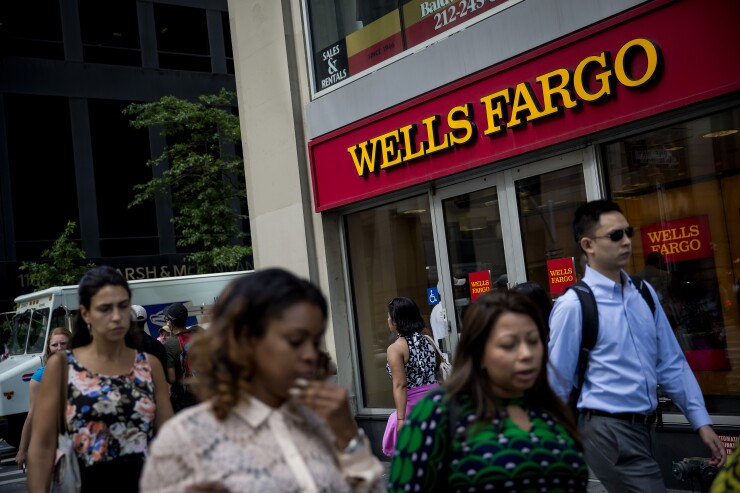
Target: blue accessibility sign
(432,296)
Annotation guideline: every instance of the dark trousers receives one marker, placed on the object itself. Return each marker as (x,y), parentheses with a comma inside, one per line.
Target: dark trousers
(620,454)
(116,476)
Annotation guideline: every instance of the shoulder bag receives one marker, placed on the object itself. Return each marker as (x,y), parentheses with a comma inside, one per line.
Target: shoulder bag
(66,478)
(445,367)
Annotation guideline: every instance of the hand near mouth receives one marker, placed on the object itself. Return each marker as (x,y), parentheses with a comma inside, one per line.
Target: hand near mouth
(331,403)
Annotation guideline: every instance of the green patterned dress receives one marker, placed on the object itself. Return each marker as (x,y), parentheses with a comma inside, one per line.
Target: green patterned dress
(494,456)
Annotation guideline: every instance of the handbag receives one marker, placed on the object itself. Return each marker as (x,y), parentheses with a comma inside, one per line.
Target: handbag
(445,367)
(66,478)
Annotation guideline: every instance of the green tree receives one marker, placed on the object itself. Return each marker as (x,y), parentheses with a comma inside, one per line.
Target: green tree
(64,266)
(204,177)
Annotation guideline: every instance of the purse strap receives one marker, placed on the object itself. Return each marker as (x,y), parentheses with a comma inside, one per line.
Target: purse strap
(439,351)
(436,348)
(63,394)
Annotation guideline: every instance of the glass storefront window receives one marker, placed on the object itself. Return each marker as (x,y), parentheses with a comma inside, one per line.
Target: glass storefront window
(475,247)
(545,204)
(678,187)
(391,253)
(348,37)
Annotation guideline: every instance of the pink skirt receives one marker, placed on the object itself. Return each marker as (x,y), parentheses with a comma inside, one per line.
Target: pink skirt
(413,396)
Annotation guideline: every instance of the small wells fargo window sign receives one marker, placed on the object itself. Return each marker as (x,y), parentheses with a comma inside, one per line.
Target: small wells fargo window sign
(480,282)
(561,273)
(682,239)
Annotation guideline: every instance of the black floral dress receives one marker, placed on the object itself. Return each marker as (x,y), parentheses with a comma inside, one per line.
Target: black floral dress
(422,364)
(110,419)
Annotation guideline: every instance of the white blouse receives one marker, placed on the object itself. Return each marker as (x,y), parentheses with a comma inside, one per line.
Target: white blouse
(256,449)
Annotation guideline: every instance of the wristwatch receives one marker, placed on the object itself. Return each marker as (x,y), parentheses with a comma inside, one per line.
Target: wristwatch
(356,444)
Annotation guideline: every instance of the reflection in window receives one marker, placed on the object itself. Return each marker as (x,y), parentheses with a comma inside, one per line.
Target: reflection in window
(350,36)
(124,231)
(37,334)
(474,246)
(546,204)
(19,334)
(29,157)
(678,188)
(26,32)
(227,43)
(182,38)
(110,32)
(391,253)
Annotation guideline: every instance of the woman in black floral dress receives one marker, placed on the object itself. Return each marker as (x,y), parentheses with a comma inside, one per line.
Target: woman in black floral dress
(412,364)
(116,395)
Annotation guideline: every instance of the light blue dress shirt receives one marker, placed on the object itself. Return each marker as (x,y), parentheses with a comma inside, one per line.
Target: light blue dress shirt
(634,352)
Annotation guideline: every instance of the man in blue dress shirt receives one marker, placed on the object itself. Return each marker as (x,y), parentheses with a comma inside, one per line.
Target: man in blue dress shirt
(635,351)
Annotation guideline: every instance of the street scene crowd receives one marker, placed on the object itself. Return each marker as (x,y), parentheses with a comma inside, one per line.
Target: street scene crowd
(247,404)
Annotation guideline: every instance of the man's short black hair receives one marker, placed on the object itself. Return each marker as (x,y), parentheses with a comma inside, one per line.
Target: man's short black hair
(588,214)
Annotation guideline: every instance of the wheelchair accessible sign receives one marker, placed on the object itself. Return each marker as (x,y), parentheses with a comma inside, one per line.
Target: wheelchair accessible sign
(432,296)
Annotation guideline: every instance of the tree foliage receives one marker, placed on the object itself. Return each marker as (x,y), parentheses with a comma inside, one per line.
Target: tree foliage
(203,176)
(64,267)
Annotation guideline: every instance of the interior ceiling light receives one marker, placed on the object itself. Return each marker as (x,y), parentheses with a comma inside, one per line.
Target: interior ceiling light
(720,133)
(412,211)
(675,148)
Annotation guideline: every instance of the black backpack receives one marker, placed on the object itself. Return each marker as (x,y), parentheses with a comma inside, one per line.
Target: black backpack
(590,320)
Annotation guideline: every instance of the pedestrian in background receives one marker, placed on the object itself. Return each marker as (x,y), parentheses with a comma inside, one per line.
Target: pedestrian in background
(412,363)
(181,395)
(164,334)
(59,338)
(116,395)
(147,343)
(495,424)
(635,352)
(539,297)
(267,421)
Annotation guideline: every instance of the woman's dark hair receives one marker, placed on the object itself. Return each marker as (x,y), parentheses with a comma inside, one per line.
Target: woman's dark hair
(539,296)
(405,315)
(223,355)
(468,376)
(93,281)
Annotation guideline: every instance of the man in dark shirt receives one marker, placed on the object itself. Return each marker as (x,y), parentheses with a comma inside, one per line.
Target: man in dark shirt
(147,343)
(180,396)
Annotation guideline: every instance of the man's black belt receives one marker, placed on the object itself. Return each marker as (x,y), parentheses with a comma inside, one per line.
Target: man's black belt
(645,419)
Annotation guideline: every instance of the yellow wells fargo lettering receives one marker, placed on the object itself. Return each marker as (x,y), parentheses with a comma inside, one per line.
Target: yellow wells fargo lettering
(560,89)
(675,240)
(561,275)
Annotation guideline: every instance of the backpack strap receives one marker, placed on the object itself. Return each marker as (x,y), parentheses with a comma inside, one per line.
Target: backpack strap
(644,291)
(590,331)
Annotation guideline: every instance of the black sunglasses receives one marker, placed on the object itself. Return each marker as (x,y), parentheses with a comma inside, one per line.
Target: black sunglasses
(619,234)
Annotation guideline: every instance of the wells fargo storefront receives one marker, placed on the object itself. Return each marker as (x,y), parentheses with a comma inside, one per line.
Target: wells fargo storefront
(475,184)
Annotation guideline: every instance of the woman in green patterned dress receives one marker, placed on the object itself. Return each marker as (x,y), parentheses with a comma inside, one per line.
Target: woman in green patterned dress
(495,424)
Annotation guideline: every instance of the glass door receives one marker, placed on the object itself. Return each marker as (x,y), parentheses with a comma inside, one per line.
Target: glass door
(502,229)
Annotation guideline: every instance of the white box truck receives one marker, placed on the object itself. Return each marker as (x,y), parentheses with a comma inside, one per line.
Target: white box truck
(36,314)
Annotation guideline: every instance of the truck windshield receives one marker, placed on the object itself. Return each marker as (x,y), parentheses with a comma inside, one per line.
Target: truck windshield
(28,331)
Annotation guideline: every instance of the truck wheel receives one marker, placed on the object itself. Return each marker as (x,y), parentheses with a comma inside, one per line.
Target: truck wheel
(15,428)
